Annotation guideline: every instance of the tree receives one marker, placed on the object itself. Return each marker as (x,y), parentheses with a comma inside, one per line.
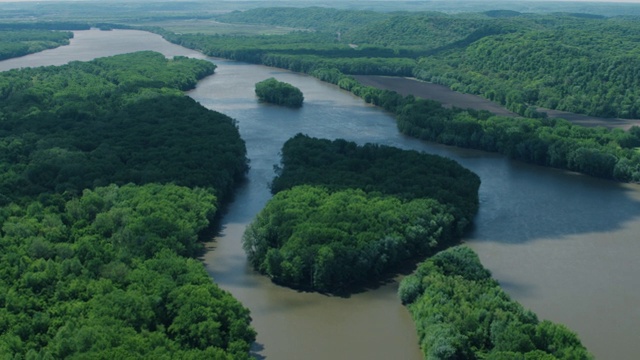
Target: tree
(280,93)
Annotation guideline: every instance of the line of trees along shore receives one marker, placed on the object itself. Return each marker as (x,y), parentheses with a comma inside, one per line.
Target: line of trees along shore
(24,42)
(599,152)
(609,154)
(109,178)
(573,62)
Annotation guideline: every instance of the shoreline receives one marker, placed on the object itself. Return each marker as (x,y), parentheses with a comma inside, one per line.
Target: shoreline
(449,98)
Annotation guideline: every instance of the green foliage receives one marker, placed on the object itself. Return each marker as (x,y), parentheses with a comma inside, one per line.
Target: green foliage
(581,65)
(15,43)
(144,221)
(280,93)
(102,276)
(461,312)
(313,18)
(308,237)
(109,177)
(344,215)
(301,52)
(340,164)
(19,26)
(600,152)
(414,33)
(557,143)
(422,33)
(572,62)
(113,120)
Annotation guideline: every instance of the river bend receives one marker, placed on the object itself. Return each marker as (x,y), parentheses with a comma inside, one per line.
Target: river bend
(564,245)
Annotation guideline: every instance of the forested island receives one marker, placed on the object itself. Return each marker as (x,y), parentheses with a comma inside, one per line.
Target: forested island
(462,313)
(110,175)
(279,93)
(345,215)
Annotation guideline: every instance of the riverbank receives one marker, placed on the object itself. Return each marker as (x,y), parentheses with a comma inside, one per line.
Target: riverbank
(450,98)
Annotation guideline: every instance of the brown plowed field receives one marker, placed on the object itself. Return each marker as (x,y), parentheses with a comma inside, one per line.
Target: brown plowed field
(449,98)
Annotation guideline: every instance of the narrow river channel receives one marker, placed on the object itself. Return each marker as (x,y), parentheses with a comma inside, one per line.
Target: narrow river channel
(562,244)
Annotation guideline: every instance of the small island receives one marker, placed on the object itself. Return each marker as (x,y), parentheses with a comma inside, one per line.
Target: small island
(461,312)
(279,93)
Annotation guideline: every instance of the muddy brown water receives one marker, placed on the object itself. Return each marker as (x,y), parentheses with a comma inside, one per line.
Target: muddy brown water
(562,244)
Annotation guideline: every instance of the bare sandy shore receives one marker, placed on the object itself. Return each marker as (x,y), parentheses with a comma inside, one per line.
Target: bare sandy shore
(450,98)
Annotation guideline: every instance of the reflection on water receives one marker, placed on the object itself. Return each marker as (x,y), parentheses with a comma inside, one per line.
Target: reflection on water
(562,244)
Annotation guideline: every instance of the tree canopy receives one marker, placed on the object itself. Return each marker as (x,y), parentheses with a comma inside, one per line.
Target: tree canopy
(308,237)
(462,313)
(407,174)
(576,64)
(345,216)
(102,276)
(109,178)
(15,43)
(279,93)
(113,120)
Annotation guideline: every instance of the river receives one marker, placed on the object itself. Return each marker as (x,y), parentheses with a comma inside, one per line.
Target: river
(564,245)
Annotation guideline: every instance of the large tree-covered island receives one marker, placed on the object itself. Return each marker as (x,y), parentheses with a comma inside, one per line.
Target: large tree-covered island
(345,215)
(279,93)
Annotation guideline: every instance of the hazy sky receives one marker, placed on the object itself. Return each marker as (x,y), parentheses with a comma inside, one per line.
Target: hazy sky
(621,1)
(313,1)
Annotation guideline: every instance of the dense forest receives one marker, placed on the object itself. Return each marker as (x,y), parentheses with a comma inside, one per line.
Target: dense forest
(110,175)
(313,18)
(279,93)
(300,51)
(89,124)
(462,313)
(580,65)
(405,174)
(346,215)
(14,43)
(574,62)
